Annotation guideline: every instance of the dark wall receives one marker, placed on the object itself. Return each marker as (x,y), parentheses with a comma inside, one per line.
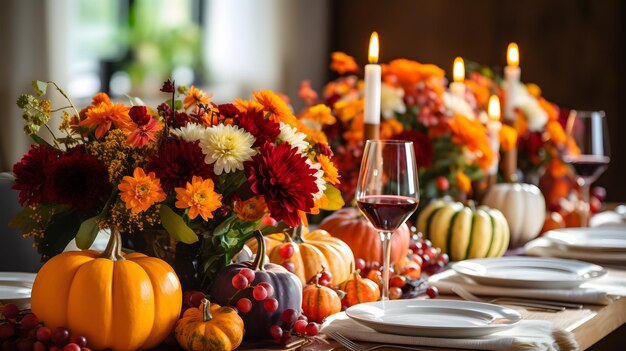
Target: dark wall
(574,50)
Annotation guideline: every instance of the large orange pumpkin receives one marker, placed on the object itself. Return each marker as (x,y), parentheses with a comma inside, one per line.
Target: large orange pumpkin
(350,226)
(122,302)
(315,250)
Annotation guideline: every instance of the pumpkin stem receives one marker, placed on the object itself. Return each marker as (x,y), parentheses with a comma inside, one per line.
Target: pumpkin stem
(206,310)
(257,265)
(113,251)
(297,234)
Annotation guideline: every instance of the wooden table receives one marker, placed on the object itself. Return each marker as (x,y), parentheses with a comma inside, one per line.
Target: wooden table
(589,325)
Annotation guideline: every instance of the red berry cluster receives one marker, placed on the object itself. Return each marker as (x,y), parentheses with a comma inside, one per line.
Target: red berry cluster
(262,291)
(293,323)
(27,334)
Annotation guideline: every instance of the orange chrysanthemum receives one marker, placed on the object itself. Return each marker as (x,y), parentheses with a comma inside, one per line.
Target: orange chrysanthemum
(463,182)
(409,72)
(354,135)
(473,135)
(331,174)
(252,209)
(100,98)
(276,107)
(199,197)
(317,136)
(557,134)
(140,191)
(320,113)
(248,105)
(343,63)
(104,115)
(389,128)
(196,96)
(508,138)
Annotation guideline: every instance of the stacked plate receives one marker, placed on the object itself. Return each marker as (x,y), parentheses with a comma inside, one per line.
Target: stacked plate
(529,272)
(15,288)
(602,245)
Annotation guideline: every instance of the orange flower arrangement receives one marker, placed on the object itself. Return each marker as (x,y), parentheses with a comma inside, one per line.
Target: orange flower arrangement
(471,134)
(342,63)
(196,96)
(199,197)
(140,191)
(276,107)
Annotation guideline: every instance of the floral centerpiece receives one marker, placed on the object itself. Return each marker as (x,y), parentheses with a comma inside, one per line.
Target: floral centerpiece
(450,141)
(203,171)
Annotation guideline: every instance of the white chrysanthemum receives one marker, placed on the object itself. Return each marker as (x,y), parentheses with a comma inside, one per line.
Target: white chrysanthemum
(292,136)
(319,175)
(458,106)
(536,116)
(190,133)
(391,101)
(228,147)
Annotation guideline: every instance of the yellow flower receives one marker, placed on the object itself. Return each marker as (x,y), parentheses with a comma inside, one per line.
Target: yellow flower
(196,96)
(321,114)
(347,110)
(389,128)
(199,197)
(252,209)
(508,138)
(331,174)
(141,191)
(276,107)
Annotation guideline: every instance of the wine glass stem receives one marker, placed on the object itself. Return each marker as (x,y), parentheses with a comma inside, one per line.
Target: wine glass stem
(385,237)
(586,210)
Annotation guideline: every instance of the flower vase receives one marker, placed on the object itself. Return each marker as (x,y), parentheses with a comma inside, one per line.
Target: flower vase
(158,243)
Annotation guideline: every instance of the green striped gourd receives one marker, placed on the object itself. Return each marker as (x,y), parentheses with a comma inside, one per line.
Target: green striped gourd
(464,232)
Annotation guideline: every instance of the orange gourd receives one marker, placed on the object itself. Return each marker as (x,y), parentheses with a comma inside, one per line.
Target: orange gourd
(359,290)
(319,302)
(122,302)
(209,327)
(350,226)
(314,250)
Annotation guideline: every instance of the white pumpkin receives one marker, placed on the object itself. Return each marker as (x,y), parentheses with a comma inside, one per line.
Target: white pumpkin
(523,207)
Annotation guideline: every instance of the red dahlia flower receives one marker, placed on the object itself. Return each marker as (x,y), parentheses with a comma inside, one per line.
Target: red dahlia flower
(176,163)
(228,110)
(139,115)
(263,129)
(30,174)
(282,176)
(78,180)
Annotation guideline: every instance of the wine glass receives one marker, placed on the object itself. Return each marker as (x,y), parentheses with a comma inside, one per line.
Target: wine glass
(590,156)
(387,191)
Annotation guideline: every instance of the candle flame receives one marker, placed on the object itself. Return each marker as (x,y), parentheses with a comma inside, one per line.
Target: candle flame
(458,70)
(494,108)
(373,51)
(512,55)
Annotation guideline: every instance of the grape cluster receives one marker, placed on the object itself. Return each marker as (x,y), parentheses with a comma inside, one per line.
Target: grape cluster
(434,260)
(24,332)
(293,323)
(286,252)
(262,291)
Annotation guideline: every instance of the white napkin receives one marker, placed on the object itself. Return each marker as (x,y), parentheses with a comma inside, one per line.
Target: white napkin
(526,335)
(544,247)
(584,294)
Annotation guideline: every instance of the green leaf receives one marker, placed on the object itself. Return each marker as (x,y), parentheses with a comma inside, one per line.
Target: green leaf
(59,233)
(335,200)
(40,87)
(87,233)
(176,226)
(224,227)
(39,140)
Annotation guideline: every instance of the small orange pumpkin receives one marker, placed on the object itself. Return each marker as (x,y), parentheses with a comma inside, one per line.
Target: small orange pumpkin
(122,302)
(209,327)
(355,230)
(314,250)
(359,290)
(319,302)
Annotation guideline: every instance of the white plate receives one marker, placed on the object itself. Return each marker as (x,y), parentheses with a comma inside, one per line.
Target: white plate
(434,318)
(529,272)
(596,239)
(15,288)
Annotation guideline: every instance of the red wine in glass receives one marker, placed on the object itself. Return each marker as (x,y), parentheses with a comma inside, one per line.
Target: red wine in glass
(589,167)
(387,212)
